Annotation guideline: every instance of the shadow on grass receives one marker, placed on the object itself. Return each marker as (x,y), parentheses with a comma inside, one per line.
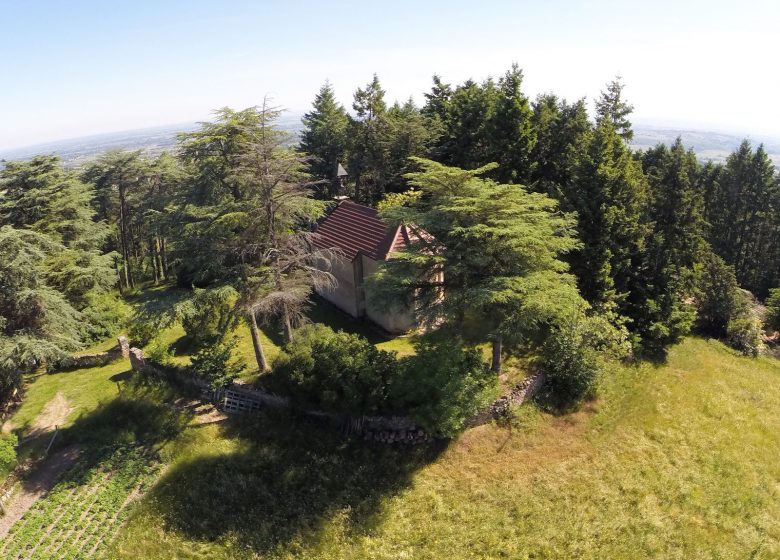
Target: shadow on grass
(289,479)
(322,311)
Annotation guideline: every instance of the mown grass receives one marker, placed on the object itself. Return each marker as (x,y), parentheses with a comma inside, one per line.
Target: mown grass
(674,461)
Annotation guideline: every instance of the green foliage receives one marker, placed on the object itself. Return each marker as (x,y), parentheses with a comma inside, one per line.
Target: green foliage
(8,443)
(443,384)
(742,208)
(216,365)
(744,334)
(324,137)
(571,365)
(335,371)
(613,108)
(209,315)
(609,194)
(105,315)
(661,312)
(719,298)
(159,350)
(499,247)
(772,318)
(391,200)
(150,319)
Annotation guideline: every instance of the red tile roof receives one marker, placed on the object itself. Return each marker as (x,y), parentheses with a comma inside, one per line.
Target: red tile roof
(354,228)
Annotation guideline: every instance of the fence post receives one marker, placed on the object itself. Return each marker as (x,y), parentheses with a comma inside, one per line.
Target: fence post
(56,431)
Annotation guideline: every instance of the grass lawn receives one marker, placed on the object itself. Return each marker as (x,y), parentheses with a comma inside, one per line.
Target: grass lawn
(674,461)
(59,399)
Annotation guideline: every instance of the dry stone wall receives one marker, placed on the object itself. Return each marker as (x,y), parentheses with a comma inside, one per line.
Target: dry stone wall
(100,359)
(239,399)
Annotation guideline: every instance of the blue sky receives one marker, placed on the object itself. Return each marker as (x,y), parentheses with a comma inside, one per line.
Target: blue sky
(75,68)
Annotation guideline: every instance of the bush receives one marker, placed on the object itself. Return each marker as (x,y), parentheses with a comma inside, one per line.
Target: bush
(149,320)
(444,384)
(744,334)
(719,299)
(159,351)
(8,443)
(104,316)
(572,368)
(335,371)
(209,315)
(440,387)
(215,364)
(772,318)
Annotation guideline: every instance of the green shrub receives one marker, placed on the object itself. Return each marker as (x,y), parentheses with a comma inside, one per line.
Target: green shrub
(150,320)
(215,365)
(571,366)
(335,371)
(772,318)
(439,387)
(443,384)
(158,350)
(719,299)
(105,315)
(209,315)
(744,334)
(8,443)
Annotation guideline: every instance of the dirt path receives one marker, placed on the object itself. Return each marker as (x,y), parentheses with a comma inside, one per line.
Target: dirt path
(36,485)
(53,414)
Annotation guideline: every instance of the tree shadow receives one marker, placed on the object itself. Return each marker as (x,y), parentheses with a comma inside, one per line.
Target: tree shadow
(290,478)
(322,311)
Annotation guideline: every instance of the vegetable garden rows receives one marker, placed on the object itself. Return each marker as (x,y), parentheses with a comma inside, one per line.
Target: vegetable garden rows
(81,513)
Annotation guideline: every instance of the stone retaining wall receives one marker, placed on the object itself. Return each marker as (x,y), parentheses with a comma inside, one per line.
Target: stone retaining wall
(237,398)
(122,350)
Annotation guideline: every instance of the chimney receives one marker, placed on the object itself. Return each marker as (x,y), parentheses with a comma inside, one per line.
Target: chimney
(341,177)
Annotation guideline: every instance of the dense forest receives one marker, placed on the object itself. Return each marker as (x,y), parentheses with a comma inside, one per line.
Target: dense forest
(556,240)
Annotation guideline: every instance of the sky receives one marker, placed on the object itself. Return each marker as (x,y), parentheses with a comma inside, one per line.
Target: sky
(76,68)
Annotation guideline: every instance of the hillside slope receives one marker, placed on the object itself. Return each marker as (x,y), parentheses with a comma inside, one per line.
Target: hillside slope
(675,461)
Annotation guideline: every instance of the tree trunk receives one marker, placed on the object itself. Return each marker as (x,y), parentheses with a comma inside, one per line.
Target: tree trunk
(153,258)
(288,332)
(496,365)
(262,363)
(123,238)
(164,258)
(158,253)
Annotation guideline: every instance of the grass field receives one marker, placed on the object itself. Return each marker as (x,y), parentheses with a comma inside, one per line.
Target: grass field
(673,461)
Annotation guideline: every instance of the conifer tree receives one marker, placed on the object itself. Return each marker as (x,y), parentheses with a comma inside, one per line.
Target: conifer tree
(465,139)
(610,199)
(324,137)
(480,251)
(562,132)
(367,151)
(510,130)
(611,106)
(744,213)
(408,133)
(674,248)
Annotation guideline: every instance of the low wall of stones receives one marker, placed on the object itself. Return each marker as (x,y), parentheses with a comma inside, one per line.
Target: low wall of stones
(69,363)
(239,399)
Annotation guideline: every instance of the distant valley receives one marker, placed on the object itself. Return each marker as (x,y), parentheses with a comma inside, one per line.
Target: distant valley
(708,145)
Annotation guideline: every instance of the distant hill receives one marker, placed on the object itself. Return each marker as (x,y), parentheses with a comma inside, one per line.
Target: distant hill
(153,141)
(709,146)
